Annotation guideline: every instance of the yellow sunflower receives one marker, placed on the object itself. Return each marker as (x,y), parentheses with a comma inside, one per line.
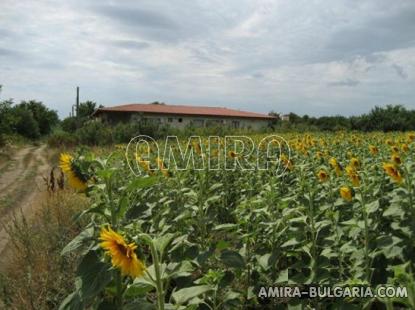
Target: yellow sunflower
(396,159)
(232,154)
(75,177)
(393,172)
(346,193)
(336,166)
(197,148)
(162,168)
(145,164)
(373,149)
(395,149)
(122,254)
(288,164)
(354,162)
(323,175)
(353,176)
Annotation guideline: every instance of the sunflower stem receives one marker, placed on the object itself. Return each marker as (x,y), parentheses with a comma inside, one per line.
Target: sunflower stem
(119,290)
(159,283)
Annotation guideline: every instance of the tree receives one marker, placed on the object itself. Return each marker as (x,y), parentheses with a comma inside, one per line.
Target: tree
(44,117)
(275,121)
(86,109)
(7,117)
(26,124)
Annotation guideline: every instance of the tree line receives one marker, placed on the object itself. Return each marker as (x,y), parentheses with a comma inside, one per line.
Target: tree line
(33,120)
(388,118)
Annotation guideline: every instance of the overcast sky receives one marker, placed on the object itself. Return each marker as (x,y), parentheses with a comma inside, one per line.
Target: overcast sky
(305,56)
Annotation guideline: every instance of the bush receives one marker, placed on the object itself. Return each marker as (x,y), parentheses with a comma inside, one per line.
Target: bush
(124,132)
(61,139)
(95,133)
(70,124)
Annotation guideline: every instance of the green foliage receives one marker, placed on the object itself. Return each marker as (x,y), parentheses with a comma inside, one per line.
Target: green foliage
(69,124)
(94,133)
(86,109)
(212,238)
(45,118)
(61,139)
(30,119)
(25,123)
(7,117)
(389,118)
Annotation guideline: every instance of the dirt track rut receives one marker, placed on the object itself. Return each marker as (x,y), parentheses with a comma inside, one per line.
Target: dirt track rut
(22,188)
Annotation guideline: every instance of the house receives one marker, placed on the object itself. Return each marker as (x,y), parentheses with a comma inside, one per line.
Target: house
(180,116)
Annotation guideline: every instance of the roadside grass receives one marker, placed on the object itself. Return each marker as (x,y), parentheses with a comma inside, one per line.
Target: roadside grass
(37,276)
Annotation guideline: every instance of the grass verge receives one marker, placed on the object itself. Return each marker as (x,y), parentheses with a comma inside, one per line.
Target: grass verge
(37,276)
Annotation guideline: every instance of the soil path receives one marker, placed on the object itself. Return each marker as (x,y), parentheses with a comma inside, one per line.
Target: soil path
(22,189)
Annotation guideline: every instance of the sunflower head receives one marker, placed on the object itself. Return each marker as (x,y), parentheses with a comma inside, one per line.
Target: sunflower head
(319,154)
(395,149)
(145,165)
(166,172)
(333,162)
(322,175)
(346,193)
(354,162)
(232,154)
(391,170)
(355,178)
(71,168)
(405,147)
(122,254)
(350,170)
(160,163)
(396,159)
(353,175)
(197,148)
(373,149)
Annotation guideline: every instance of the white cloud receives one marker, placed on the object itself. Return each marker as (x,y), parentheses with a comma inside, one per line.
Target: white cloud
(304,56)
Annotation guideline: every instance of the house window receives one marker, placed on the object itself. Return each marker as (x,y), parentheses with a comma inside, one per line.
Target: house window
(235,124)
(180,120)
(170,120)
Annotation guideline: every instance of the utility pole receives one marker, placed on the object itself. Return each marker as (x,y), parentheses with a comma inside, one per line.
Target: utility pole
(77,101)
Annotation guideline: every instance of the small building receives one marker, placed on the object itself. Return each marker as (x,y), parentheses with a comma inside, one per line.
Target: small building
(181,116)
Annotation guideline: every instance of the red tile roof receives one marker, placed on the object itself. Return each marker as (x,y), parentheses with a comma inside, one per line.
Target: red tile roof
(183,110)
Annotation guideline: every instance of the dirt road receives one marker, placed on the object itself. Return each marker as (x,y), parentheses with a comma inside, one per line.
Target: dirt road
(22,188)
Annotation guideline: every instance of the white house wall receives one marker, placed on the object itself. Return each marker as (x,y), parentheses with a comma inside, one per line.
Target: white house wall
(198,121)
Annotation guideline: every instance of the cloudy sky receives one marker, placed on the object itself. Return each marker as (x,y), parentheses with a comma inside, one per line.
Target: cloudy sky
(305,56)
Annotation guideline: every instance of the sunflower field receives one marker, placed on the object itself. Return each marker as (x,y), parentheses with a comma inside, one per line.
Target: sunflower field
(341,213)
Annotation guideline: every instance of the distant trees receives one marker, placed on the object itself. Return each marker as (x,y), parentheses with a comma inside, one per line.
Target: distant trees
(30,119)
(388,118)
(85,110)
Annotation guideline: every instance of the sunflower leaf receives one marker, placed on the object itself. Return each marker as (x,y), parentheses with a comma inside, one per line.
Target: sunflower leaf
(79,240)
(93,275)
(185,294)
